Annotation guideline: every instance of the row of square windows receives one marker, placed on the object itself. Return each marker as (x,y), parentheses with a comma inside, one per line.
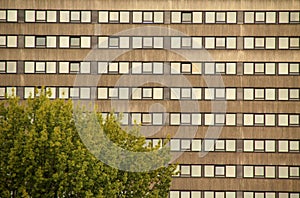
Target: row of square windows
(197,119)
(159,17)
(150,42)
(239,171)
(229,145)
(161,93)
(125,67)
(231,194)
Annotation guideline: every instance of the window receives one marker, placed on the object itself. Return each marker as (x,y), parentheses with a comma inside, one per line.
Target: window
(147,17)
(74,42)
(220,17)
(113,17)
(40,16)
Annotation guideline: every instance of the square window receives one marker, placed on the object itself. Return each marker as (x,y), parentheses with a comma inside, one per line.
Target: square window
(230,145)
(113,67)
(113,93)
(259,145)
(12,41)
(283,17)
(186,17)
(248,68)
(249,17)
(283,146)
(148,17)
(270,119)
(146,118)
(209,94)
(283,68)
(85,93)
(175,42)
(270,171)
(136,118)
(196,42)
(186,42)
(231,17)
(64,16)
(185,144)
(51,41)
(294,120)
(196,170)
(103,42)
(29,67)
(283,94)
(220,145)
(270,94)
(248,145)
(185,93)
(220,17)
(209,17)
(29,16)
(137,17)
(283,42)
(209,119)
(270,146)
(158,17)
(3,14)
(28,92)
(113,42)
(196,119)
(283,172)
(40,67)
(294,42)
(208,194)
(220,119)
(196,93)
(175,145)
(283,120)
(259,42)
(294,172)
(176,17)
(175,118)
(220,171)
(230,43)
(74,67)
(123,93)
(158,68)
(209,145)
(103,16)
(294,145)
(85,67)
(196,145)
(147,42)
(248,93)
(40,42)
(85,42)
(209,42)
(12,15)
(208,171)
(294,16)
(294,68)
(85,16)
(259,94)
(230,171)
(147,92)
(102,67)
(270,17)
(230,119)
(186,68)
(197,17)
(63,92)
(113,16)
(259,16)
(124,17)
(220,67)
(75,16)
(102,93)
(74,42)
(185,118)
(11,67)
(158,93)
(220,42)
(270,68)
(270,43)
(41,15)
(248,42)
(248,171)
(2,67)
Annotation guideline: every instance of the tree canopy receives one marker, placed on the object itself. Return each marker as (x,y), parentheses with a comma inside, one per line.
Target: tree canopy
(42,154)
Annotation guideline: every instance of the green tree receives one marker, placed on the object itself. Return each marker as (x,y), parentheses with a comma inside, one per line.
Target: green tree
(43,155)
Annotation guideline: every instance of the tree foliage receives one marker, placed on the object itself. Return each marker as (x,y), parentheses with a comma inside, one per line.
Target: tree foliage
(42,154)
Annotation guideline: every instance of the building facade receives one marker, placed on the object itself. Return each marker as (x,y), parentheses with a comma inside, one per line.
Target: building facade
(221,78)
